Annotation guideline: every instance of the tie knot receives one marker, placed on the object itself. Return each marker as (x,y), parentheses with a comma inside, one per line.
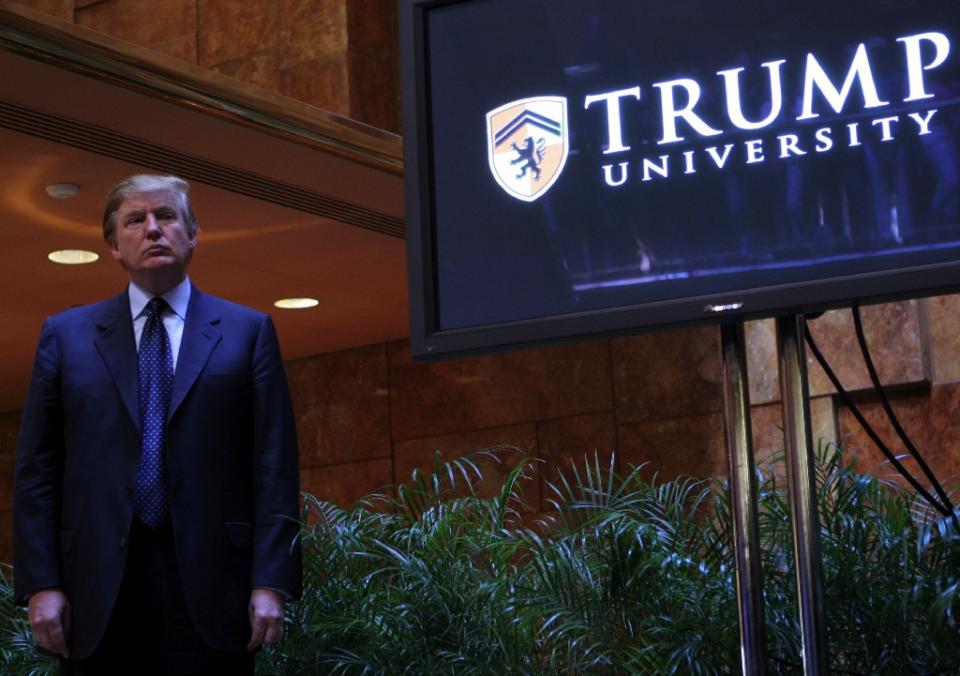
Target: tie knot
(156,307)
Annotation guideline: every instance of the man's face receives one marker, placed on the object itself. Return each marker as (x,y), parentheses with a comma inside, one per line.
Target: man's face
(151,240)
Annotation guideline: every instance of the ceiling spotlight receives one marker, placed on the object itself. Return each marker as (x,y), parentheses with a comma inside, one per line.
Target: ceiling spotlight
(296,303)
(63,191)
(72,256)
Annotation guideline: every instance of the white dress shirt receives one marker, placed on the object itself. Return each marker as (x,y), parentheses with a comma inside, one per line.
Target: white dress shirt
(178,298)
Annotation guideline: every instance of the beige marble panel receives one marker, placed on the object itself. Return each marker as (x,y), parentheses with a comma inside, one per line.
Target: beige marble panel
(515,442)
(344,484)
(574,440)
(232,30)
(943,314)
(895,335)
(184,48)
(62,9)
(690,446)
(373,27)
(311,30)
(141,22)
(375,91)
(323,83)
(259,68)
(767,426)
(430,399)
(374,75)
(667,375)
(340,401)
(761,346)
(931,419)
(696,445)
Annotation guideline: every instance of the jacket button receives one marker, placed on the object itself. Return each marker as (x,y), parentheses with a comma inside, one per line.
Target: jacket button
(129,490)
(123,542)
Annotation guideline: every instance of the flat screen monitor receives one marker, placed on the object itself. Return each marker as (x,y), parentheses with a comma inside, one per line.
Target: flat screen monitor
(581,168)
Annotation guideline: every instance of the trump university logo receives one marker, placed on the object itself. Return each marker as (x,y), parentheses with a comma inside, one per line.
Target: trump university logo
(527,145)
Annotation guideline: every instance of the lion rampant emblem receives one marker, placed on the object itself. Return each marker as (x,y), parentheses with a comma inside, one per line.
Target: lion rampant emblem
(531,155)
(527,145)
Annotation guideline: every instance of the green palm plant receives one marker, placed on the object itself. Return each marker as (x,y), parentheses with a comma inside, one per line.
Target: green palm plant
(891,568)
(624,575)
(615,580)
(423,582)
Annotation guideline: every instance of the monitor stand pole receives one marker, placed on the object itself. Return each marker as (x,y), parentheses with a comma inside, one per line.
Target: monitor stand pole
(743,500)
(795,398)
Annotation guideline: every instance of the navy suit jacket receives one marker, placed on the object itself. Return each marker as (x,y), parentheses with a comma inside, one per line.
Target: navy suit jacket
(231,453)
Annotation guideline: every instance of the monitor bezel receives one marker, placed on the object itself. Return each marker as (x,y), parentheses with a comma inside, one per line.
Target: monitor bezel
(428,342)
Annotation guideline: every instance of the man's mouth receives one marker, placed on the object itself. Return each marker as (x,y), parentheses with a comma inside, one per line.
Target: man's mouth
(157,251)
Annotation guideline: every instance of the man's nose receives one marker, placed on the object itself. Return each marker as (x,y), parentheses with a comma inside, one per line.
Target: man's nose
(153,227)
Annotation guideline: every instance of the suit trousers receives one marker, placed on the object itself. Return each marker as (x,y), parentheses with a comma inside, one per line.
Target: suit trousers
(150,632)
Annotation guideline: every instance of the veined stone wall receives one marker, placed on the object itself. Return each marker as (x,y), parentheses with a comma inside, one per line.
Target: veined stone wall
(339,55)
(367,416)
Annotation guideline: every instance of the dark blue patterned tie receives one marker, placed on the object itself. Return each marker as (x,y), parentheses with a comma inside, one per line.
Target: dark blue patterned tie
(155,372)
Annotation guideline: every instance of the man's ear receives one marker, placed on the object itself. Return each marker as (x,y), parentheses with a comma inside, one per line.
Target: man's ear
(114,249)
(193,237)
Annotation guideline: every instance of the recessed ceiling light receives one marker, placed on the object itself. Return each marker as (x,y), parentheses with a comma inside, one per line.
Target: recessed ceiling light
(296,303)
(72,256)
(63,191)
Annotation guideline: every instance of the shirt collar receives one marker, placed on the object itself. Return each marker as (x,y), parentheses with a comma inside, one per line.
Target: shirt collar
(178,298)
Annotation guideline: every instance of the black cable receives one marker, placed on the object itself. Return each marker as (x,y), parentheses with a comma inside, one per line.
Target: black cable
(848,401)
(892,417)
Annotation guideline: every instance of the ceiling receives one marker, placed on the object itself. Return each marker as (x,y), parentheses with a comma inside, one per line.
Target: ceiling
(252,250)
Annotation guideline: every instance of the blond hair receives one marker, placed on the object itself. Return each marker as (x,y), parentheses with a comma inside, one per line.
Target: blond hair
(145,183)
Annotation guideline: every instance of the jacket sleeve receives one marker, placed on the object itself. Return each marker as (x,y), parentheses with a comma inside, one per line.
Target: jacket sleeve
(276,544)
(38,474)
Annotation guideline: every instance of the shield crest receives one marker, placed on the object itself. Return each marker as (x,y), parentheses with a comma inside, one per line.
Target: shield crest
(527,145)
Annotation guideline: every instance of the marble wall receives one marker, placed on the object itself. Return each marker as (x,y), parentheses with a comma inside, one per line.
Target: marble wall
(369,416)
(338,55)
(652,400)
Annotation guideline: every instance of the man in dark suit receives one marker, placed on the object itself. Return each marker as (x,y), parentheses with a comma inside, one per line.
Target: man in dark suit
(157,473)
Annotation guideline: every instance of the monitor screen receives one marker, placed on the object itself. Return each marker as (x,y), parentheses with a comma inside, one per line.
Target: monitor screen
(579,167)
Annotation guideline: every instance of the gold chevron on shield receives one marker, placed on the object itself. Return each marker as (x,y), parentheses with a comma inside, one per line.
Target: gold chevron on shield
(527,145)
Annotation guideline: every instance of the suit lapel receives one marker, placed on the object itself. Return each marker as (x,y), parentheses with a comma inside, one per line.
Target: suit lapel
(118,349)
(200,337)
